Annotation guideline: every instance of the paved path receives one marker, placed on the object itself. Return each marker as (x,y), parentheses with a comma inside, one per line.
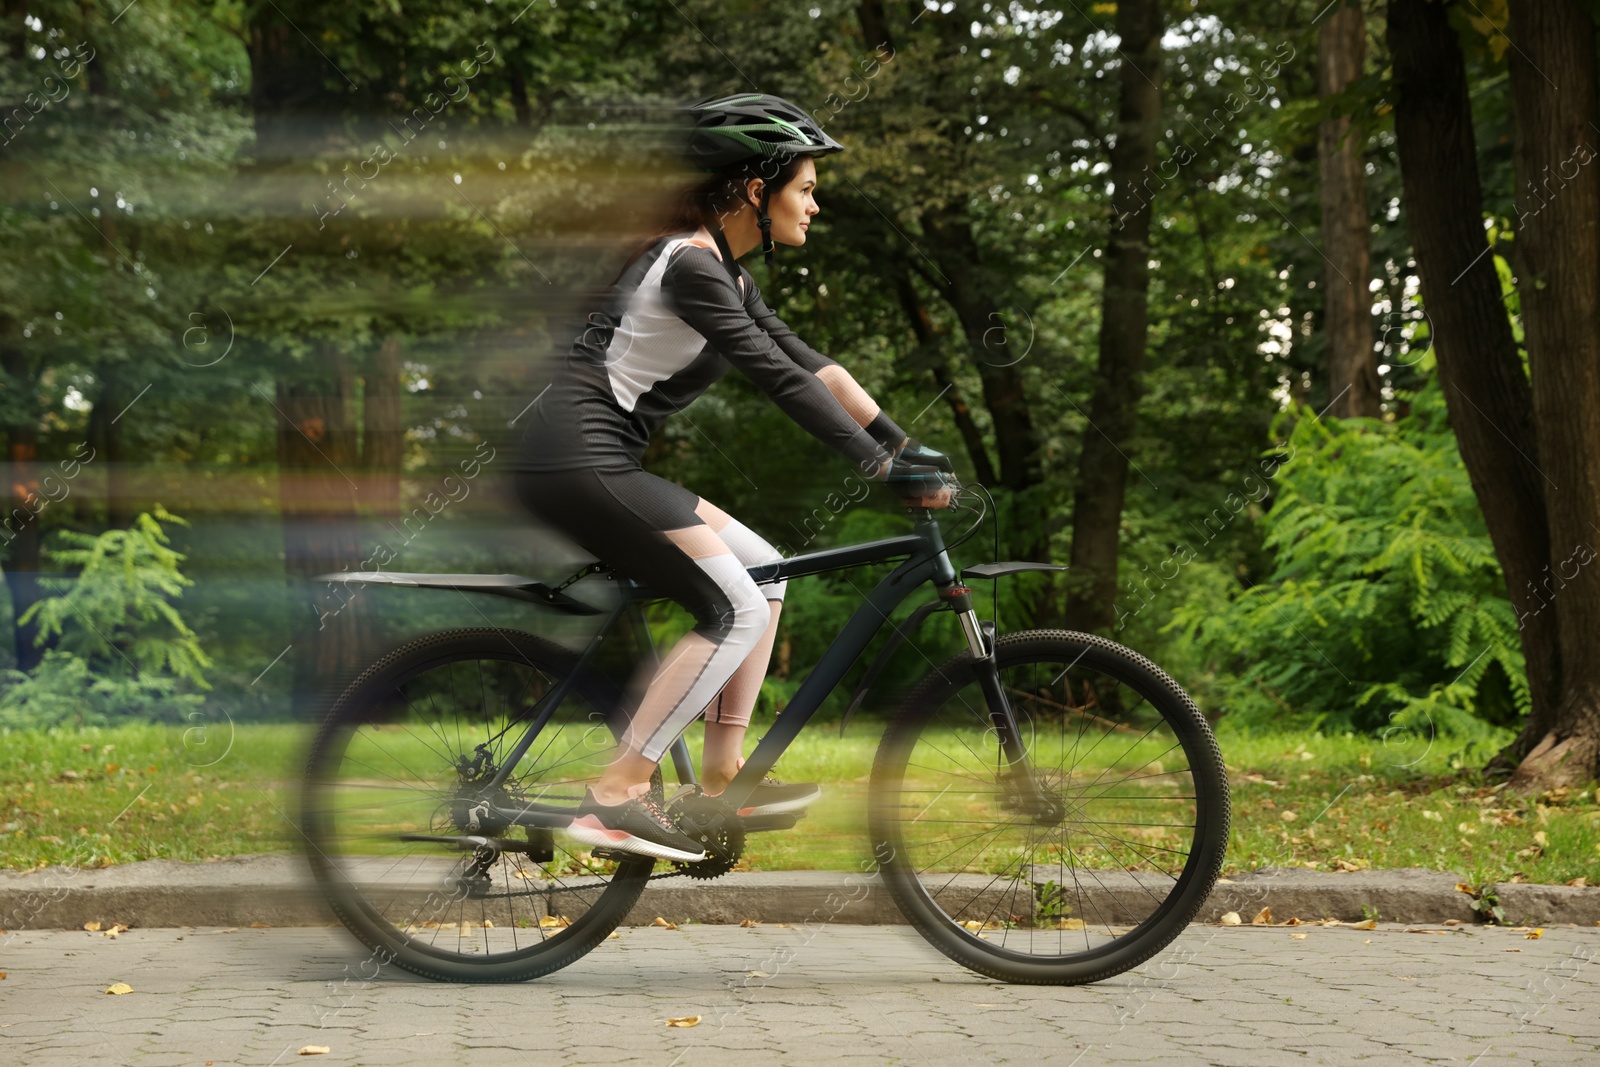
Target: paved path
(849,995)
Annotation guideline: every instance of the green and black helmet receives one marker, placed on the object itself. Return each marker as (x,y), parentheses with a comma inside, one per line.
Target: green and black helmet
(749,126)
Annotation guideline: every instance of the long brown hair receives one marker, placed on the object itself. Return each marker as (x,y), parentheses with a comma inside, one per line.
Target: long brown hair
(707,202)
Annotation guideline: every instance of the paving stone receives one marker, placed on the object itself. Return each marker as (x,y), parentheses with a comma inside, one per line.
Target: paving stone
(857,994)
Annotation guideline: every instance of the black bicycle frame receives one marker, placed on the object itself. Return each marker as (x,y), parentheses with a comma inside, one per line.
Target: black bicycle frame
(926,560)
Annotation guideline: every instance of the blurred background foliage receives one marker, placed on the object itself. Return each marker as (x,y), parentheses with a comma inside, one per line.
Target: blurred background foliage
(215,286)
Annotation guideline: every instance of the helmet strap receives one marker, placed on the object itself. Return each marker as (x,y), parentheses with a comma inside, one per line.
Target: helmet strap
(728,261)
(766,228)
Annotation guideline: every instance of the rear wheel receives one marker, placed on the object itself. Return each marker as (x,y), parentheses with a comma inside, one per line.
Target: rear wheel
(1096,880)
(396,836)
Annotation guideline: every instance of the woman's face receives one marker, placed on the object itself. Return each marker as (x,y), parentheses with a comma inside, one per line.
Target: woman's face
(792,207)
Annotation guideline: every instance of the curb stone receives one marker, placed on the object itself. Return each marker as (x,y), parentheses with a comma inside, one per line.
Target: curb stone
(276,890)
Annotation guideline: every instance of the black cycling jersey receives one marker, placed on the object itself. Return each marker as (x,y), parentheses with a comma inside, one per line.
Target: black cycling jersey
(671,327)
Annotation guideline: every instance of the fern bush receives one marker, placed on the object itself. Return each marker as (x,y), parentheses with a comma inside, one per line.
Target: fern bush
(1385,608)
(120,649)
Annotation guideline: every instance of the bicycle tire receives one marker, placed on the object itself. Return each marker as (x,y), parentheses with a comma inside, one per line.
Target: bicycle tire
(1085,846)
(339,846)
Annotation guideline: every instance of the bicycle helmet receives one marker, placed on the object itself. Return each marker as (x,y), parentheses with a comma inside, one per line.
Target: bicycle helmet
(746,127)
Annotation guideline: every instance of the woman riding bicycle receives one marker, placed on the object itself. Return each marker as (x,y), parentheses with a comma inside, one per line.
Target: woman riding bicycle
(679,315)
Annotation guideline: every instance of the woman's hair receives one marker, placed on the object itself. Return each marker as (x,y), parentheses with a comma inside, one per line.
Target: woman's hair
(721,193)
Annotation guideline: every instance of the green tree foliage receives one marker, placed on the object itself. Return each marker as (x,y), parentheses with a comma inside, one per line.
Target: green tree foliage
(1385,605)
(121,649)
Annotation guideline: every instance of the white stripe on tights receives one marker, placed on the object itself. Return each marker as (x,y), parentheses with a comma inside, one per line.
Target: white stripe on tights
(749,624)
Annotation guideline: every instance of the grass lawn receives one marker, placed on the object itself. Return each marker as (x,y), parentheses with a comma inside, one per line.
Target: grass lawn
(100,796)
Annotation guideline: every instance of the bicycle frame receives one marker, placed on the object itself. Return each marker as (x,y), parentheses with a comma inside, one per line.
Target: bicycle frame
(926,560)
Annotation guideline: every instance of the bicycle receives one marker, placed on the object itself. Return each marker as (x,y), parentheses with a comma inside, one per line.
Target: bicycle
(1046,806)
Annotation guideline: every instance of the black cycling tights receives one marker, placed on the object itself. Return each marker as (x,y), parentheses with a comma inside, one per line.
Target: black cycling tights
(663,536)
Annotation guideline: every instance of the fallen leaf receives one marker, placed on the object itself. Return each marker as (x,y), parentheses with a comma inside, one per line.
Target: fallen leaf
(119,988)
(1406,977)
(1511,950)
(1069,924)
(1365,924)
(1263,918)
(1291,921)
(1540,838)
(685,1022)
(1452,922)
(550,922)
(671,926)
(1579,882)
(2,976)
(315,1050)
(92,926)
(1534,935)
(1231,918)
(748,923)
(1288,816)
(613,936)
(260,926)
(1462,887)
(1299,937)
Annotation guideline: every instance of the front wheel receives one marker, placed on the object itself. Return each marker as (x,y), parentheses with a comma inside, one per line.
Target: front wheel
(1108,869)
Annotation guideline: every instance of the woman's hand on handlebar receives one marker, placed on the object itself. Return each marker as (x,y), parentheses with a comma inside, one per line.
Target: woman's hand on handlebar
(914,451)
(921,485)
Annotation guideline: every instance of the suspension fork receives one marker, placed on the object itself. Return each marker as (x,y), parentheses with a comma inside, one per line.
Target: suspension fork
(1002,717)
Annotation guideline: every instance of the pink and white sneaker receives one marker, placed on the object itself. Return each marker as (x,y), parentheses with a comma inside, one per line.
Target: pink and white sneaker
(637,826)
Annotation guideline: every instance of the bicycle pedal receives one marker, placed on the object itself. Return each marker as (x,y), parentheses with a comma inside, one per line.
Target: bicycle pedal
(758,823)
(611,854)
(541,846)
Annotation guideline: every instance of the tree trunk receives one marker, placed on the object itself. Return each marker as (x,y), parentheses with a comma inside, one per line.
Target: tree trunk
(1353,388)
(927,343)
(519,93)
(318,499)
(874,24)
(382,430)
(1558,239)
(1488,395)
(298,118)
(20,534)
(996,352)
(1124,315)
(114,398)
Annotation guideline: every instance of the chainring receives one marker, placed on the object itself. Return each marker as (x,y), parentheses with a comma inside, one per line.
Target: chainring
(716,826)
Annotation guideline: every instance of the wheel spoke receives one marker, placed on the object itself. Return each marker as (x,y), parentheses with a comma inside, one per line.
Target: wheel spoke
(1128,792)
(396,773)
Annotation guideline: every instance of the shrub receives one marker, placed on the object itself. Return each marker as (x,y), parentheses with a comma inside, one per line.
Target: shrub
(121,649)
(1386,606)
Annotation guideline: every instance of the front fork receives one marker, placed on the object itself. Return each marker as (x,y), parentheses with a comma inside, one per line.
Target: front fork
(981,643)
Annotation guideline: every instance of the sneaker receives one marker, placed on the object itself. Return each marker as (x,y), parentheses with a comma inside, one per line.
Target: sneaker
(772,797)
(638,826)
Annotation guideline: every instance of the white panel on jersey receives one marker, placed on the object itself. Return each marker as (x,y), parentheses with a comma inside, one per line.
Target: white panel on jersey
(651,343)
